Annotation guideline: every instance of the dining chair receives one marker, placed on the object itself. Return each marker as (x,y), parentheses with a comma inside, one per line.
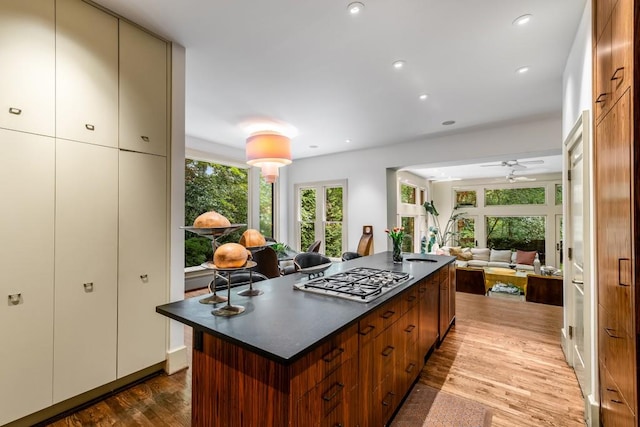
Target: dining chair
(266,261)
(315,246)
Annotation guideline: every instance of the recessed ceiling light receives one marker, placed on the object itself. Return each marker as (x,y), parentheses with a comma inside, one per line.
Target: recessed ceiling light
(522,20)
(522,70)
(423,96)
(355,7)
(347,141)
(448,122)
(399,64)
(313,146)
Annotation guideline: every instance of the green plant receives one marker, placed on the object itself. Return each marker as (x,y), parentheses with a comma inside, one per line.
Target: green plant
(446,235)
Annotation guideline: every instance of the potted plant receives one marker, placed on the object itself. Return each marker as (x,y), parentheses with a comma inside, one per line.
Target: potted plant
(442,235)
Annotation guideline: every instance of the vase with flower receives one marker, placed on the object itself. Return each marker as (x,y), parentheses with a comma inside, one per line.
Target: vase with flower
(397,235)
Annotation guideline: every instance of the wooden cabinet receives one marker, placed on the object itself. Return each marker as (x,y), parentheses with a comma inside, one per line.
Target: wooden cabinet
(27,75)
(86,248)
(86,74)
(143,91)
(429,291)
(142,260)
(617,210)
(26,272)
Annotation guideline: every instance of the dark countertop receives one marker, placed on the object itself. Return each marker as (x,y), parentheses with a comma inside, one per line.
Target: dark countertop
(283,324)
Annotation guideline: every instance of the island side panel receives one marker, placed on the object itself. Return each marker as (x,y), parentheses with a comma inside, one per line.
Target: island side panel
(234,387)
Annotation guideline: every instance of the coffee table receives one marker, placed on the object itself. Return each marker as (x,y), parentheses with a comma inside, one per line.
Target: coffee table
(494,275)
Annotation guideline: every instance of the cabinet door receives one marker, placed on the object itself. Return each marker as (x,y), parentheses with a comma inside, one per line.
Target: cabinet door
(27,55)
(143,91)
(621,47)
(86,74)
(86,268)
(142,261)
(443,322)
(452,293)
(26,273)
(602,78)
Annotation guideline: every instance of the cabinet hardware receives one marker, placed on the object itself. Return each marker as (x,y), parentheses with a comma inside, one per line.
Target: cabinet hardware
(88,287)
(410,328)
(329,357)
(388,350)
(338,388)
(620,271)
(15,111)
(616,401)
(387,314)
(367,330)
(384,401)
(612,389)
(14,299)
(410,368)
(411,298)
(609,330)
(145,138)
(614,77)
(422,290)
(90,127)
(338,425)
(144,277)
(577,282)
(599,100)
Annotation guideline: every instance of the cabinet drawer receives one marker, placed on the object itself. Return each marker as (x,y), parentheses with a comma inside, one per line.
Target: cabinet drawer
(617,354)
(614,411)
(382,318)
(409,299)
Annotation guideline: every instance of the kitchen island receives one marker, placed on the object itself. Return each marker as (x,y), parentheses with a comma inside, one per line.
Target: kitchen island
(295,358)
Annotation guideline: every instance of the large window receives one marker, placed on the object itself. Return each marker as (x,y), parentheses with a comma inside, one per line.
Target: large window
(517,232)
(514,196)
(466,229)
(266,208)
(408,222)
(408,194)
(321,216)
(211,186)
(466,198)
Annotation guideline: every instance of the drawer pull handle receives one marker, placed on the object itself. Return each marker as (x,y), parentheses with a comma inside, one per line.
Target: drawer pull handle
(384,401)
(422,290)
(387,314)
(145,138)
(410,328)
(333,354)
(616,401)
(601,98)
(338,388)
(367,330)
(620,272)
(90,127)
(608,330)
(411,298)
(612,389)
(387,351)
(16,111)
(14,299)
(410,368)
(614,76)
(144,277)
(88,287)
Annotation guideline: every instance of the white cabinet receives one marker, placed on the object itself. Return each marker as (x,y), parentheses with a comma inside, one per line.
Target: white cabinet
(27,73)
(142,261)
(143,91)
(26,273)
(86,74)
(86,263)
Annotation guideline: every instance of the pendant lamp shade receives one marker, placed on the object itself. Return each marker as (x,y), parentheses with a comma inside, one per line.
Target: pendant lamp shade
(268,151)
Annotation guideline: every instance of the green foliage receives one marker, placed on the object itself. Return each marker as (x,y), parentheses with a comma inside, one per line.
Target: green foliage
(408,223)
(266,208)
(333,221)
(514,196)
(407,194)
(466,198)
(517,232)
(448,234)
(210,186)
(558,194)
(466,232)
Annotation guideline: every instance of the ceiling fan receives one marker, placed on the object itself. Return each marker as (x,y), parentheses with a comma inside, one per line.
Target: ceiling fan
(513,178)
(516,165)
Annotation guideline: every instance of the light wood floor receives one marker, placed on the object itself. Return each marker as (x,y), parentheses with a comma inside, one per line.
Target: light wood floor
(505,354)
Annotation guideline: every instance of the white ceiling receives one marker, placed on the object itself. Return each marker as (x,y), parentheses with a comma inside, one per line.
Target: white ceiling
(313,66)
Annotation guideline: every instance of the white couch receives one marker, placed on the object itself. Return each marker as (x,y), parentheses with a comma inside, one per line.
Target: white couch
(485,257)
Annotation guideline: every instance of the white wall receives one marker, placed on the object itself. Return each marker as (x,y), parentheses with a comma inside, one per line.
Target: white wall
(366,170)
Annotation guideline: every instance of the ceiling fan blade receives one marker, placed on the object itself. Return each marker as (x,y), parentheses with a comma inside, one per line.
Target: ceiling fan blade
(531,162)
(492,165)
(518,167)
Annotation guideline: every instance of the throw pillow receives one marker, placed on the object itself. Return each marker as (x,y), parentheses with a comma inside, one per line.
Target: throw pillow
(500,255)
(480,254)
(465,255)
(525,257)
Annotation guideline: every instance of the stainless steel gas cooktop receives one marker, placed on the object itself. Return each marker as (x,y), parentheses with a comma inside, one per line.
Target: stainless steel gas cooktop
(360,284)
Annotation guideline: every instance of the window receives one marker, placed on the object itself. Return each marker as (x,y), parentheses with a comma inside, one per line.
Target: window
(466,199)
(321,212)
(466,232)
(408,222)
(517,232)
(266,208)
(558,194)
(212,186)
(407,194)
(514,196)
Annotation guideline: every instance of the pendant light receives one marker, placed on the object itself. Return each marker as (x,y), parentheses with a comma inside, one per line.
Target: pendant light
(268,151)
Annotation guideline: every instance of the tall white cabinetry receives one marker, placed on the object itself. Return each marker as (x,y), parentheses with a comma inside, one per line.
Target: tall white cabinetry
(26,273)
(84,217)
(27,81)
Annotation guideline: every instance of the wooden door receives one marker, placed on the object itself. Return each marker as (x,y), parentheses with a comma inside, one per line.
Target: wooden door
(86,268)
(143,91)
(86,74)
(26,273)
(27,55)
(142,261)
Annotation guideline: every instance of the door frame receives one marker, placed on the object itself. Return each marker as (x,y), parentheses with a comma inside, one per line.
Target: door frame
(581,132)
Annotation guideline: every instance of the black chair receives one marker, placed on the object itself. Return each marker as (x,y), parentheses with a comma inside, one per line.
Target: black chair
(267,262)
(238,278)
(365,245)
(315,246)
(350,255)
(309,259)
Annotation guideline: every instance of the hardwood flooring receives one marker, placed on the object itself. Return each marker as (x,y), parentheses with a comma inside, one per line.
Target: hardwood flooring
(505,354)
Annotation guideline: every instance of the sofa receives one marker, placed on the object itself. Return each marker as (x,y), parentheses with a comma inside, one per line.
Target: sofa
(485,257)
